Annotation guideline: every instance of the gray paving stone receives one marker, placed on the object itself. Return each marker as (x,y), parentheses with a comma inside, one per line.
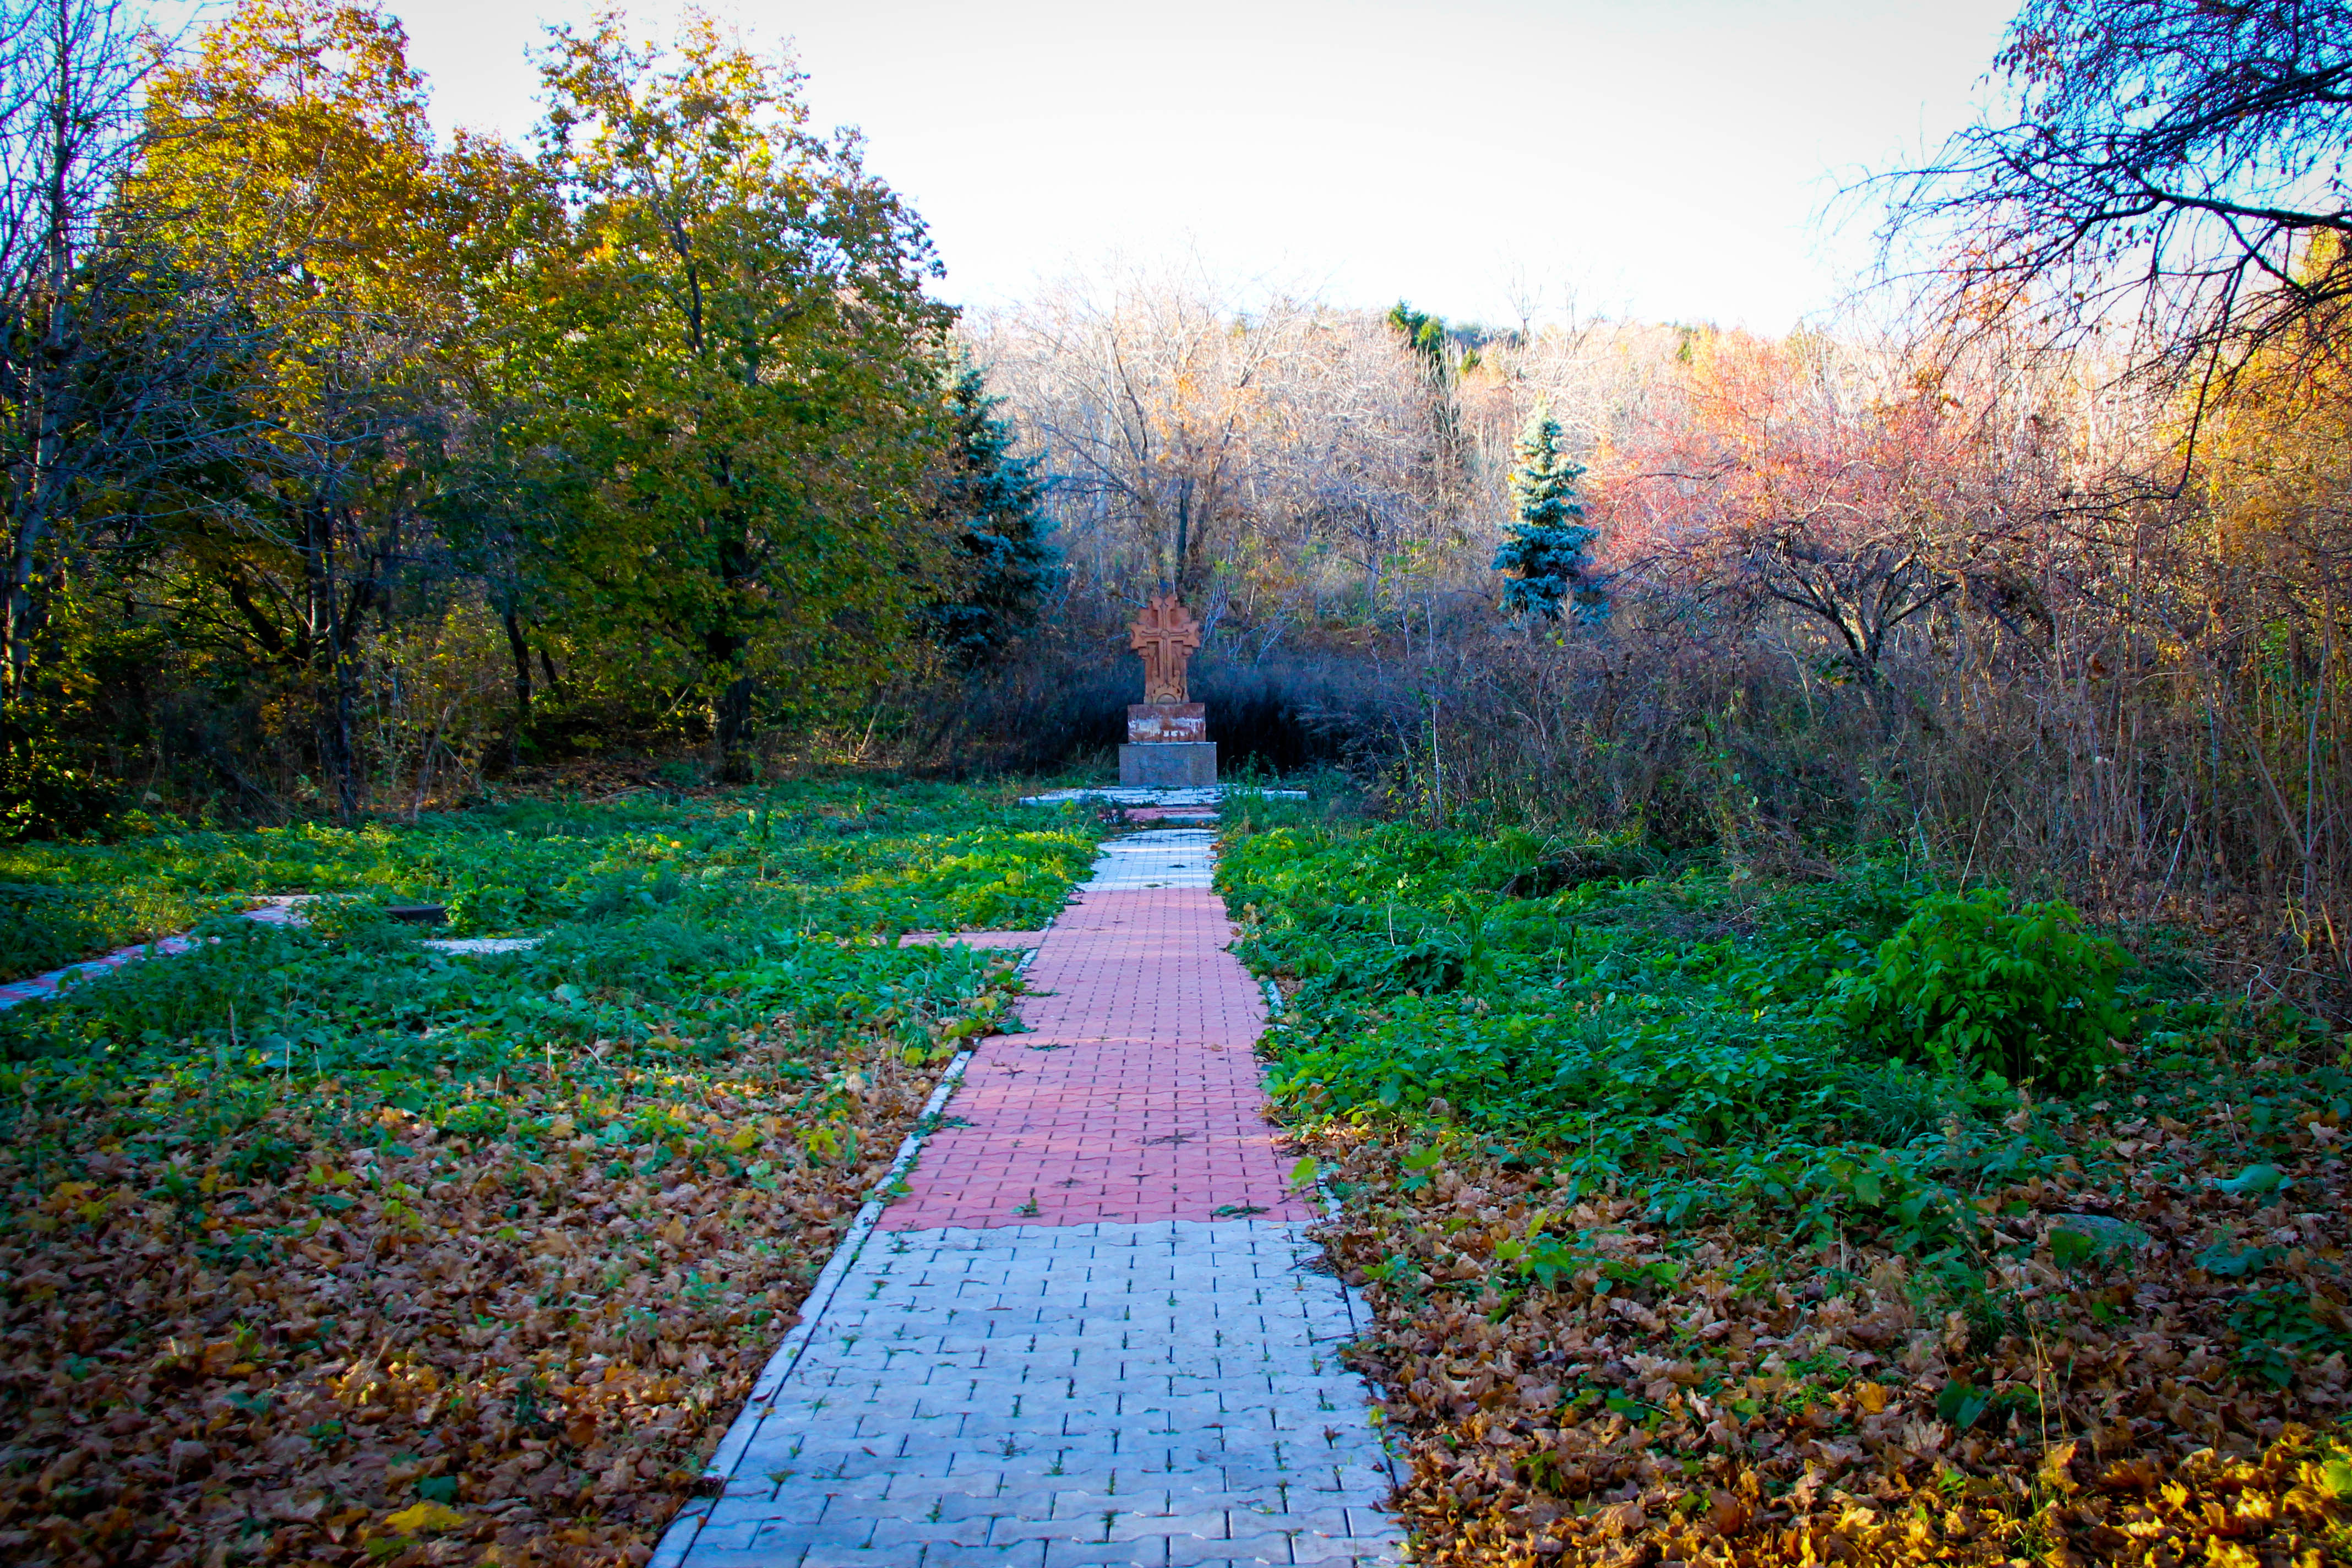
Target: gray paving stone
(719,1557)
(900,1538)
(1156,1396)
(1327,1549)
(733,1535)
(984,1503)
(1326,1520)
(1026,1555)
(788,1538)
(1106,1554)
(1210,1525)
(1265,1547)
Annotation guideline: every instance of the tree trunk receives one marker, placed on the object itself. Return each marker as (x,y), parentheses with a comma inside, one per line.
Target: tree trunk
(519,646)
(336,635)
(38,502)
(735,731)
(345,764)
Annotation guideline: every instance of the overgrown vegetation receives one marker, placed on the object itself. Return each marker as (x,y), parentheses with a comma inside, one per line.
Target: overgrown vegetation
(321,1246)
(1737,1220)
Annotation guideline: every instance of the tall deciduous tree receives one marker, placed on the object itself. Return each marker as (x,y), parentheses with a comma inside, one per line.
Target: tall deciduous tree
(746,364)
(509,494)
(1849,487)
(291,152)
(104,349)
(1148,395)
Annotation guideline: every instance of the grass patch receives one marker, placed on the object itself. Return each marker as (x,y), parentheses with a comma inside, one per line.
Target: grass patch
(324,1246)
(1726,1220)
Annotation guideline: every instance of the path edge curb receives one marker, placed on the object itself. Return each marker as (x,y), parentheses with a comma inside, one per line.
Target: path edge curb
(1359,1310)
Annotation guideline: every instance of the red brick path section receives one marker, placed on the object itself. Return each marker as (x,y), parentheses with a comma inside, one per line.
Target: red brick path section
(1135,1095)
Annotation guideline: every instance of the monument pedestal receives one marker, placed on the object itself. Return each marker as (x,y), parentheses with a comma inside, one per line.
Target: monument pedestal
(1169,764)
(1168,744)
(1158,723)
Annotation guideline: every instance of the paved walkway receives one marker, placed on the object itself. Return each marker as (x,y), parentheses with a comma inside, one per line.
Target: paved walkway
(282,910)
(1088,1333)
(278,910)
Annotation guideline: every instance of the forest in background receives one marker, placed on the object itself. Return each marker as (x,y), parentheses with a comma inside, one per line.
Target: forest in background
(349,473)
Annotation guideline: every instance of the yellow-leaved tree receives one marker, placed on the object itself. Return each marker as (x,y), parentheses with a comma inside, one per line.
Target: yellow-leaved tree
(291,156)
(743,375)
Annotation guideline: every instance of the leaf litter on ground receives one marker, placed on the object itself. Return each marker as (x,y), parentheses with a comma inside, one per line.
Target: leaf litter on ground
(1669,1261)
(487,1282)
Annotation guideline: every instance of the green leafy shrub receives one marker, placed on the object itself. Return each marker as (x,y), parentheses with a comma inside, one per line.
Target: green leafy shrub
(1701,1041)
(2286,1324)
(474,1118)
(1968,983)
(487,910)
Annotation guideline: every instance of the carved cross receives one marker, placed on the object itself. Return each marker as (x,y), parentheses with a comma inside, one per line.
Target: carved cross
(1165,633)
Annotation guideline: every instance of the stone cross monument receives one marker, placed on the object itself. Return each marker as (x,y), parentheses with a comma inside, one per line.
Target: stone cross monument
(1167,742)
(1166,636)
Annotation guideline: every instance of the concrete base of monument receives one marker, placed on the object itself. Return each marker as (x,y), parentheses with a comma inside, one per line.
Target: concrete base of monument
(1169,764)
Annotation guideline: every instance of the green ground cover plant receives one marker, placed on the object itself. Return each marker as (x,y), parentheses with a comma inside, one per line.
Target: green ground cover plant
(1726,1219)
(320,1246)
(46,925)
(839,857)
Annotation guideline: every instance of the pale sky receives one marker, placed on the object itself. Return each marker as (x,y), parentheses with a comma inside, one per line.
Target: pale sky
(1667,160)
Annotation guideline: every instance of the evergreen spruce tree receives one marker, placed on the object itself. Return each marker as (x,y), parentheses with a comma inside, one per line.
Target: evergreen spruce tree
(1546,554)
(992,495)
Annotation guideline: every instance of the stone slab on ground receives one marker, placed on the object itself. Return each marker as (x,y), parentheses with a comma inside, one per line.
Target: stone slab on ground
(278,910)
(481,943)
(1096,1394)
(1121,795)
(1163,857)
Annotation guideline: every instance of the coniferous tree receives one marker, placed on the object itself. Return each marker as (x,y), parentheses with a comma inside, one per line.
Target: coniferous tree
(991,498)
(1426,336)
(1546,554)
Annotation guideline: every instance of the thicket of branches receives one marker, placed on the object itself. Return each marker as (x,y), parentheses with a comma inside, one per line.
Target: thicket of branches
(2051,587)
(1857,592)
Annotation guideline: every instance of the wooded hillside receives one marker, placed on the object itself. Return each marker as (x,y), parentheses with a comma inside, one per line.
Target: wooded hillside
(350,470)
